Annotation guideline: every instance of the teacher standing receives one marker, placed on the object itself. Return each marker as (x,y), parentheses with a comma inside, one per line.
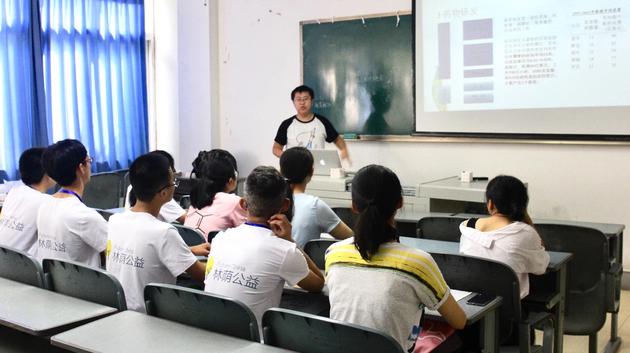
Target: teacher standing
(307,129)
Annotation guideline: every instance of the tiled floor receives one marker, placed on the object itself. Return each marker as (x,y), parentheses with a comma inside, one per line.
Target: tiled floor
(579,344)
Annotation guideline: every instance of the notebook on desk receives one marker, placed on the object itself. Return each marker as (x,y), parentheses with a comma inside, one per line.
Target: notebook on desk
(324,160)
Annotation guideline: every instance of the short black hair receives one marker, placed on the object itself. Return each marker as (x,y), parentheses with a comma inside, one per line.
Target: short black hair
(171,161)
(296,164)
(31,167)
(61,160)
(302,88)
(148,175)
(265,189)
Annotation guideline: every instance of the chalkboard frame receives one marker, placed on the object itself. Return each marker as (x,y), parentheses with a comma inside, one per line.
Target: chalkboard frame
(412,118)
(512,137)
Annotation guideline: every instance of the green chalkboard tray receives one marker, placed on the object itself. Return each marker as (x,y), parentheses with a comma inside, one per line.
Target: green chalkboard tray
(362,72)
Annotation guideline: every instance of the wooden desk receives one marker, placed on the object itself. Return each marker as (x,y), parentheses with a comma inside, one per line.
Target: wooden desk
(551,296)
(130,331)
(40,312)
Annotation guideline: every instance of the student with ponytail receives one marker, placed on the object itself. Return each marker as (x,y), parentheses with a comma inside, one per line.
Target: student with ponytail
(374,280)
(507,234)
(213,207)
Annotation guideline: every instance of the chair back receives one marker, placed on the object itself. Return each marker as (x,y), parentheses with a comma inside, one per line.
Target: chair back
(307,333)
(346,215)
(316,250)
(585,306)
(212,234)
(503,282)
(20,267)
(84,282)
(439,228)
(103,191)
(125,184)
(191,237)
(104,213)
(200,309)
(184,188)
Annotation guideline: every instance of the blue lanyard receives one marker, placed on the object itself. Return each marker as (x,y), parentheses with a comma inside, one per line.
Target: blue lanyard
(257,225)
(70,192)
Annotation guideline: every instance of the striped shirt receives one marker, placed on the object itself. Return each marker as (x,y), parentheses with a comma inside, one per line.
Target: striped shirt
(386,293)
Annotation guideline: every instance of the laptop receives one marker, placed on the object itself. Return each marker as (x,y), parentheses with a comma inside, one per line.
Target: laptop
(324,160)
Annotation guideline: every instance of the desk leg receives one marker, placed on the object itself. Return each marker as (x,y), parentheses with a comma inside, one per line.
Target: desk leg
(559,310)
(615,342)
(490,332)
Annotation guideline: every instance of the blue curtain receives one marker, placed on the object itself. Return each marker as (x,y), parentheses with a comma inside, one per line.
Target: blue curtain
(20,123)
(93,54)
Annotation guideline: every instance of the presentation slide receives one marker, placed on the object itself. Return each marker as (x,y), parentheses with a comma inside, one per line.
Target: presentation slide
(551,58)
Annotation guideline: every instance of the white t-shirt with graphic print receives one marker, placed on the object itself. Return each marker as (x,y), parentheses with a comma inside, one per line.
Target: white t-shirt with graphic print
(69,230)
(251,264)
(142,249)
(312,134)
(18,218)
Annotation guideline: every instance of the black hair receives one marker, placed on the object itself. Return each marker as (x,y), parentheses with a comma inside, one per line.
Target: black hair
(509,196)
(302,88)
(31,167)
(217,153)
(296,164)
(376,194)
(216,173)
(61,160)
(171,161)
(265,192)
(148,175)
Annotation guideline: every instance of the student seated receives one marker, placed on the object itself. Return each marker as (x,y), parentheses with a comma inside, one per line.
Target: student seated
(213,207)
(374,280)
(171,211)
(142,249)
(205,156)
(18,219)
(311,216)
(507,235)
(67,229)
(252,261)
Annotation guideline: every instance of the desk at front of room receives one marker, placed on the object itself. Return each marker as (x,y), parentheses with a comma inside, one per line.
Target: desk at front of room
(447,195)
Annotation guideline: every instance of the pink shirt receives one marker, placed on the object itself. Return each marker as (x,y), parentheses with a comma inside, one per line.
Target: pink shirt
(225,212)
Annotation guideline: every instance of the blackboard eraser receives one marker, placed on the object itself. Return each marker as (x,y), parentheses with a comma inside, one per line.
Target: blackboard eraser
(350,136)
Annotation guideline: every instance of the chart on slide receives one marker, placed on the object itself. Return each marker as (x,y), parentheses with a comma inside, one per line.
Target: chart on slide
(535,54)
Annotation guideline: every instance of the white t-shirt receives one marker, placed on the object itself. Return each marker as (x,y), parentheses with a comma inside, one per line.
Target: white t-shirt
(386,293)
(18,218)
(311,217)
(69,230)
(140,250)
(251,264)
(169,212)
(518,245)
(312,134)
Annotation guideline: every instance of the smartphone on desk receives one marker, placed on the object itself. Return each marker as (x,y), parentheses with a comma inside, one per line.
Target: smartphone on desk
(481,299)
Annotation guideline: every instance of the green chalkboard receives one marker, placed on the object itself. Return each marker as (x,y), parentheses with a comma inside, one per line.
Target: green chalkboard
(362,73)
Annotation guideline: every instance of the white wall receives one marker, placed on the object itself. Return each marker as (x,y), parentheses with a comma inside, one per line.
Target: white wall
(259,64)
(185,40)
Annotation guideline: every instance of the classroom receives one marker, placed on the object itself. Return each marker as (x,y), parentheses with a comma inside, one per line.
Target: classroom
(219,74)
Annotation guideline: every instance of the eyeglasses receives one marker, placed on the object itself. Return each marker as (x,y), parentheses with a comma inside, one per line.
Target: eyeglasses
(174,184)
(88,159)
(303,99)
